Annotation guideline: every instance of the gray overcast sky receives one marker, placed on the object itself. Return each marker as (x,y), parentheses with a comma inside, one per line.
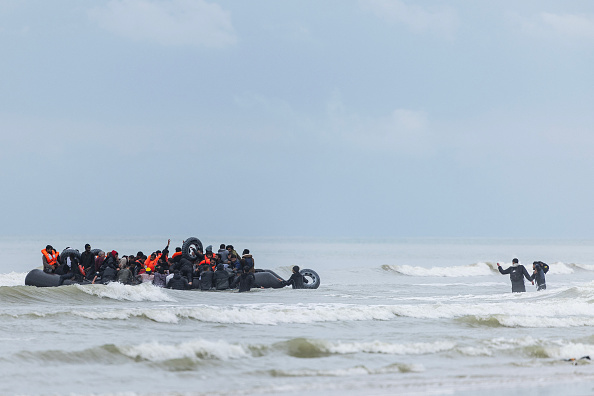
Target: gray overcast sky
(297,118)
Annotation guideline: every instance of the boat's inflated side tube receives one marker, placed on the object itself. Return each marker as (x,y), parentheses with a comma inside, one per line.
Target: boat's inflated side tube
(39,278)
(96,252)
(187,248)
(313,279)
(268,279)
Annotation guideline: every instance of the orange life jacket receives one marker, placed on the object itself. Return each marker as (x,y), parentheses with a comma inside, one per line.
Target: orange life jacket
(174,255)
(51,259)
(148,263)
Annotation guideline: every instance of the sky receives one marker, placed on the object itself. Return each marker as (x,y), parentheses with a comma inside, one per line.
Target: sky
(368,118)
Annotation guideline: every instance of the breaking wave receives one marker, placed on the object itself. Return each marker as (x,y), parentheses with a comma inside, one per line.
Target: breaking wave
(478,269)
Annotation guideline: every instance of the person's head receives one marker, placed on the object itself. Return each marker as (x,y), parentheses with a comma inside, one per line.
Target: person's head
(153,255)
(87,247)
(178,249)
(233,257)
(139,254)
(114,254)
(209,253)
(220,267)
(246,251)
(176,272)
(515,262)
(230,248)
(222,246)
(295,269)
(158,252)
(49,248)
(246,270)
(102,254)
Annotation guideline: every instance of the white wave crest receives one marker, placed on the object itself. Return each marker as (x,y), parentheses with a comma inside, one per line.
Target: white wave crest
(13,279)
(194,350)
(478,269)
(119,291)
(558,269)
(417,348)
(569,351)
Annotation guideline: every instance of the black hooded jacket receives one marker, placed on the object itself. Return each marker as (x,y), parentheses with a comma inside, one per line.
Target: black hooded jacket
(178,282)
(517,275)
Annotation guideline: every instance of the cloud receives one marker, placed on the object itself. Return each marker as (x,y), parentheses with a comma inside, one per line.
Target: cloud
(569,26)
(404,131)
(169,23)
(417,18)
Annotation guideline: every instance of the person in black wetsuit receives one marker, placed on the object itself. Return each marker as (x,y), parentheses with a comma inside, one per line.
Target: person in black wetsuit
(296,280)
(539,276)
(517,272)
(245,281)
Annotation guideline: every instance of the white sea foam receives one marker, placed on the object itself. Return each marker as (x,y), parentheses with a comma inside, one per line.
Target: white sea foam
(13,279)
(418,348)
(194,350)
(478,269)
(119,291)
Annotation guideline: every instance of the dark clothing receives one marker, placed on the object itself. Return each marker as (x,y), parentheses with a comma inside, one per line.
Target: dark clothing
(516,275)
(108,270)
(247,262)
(178,282)
(246,281)
(161,267)
(297,281)
(125,276)
(539,277)
(206,280)
(99,262)
(87,260)
(235,265)
(185,268)
(221,278)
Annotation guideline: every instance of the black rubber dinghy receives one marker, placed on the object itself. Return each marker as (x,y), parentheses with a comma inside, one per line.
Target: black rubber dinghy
(37,277)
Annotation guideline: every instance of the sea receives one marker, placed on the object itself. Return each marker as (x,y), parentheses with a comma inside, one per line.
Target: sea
(391,317)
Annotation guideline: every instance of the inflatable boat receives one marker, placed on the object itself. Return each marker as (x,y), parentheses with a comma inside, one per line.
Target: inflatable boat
(263,278)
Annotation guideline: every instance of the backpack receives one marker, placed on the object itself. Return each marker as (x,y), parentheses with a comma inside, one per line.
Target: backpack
(516,274)
(543,266)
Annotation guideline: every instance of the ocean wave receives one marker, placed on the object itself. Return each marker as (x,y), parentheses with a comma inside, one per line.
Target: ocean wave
(13,279)
(307,348)
(119,291)
(346,372)
(478,269)
(83,293)
(170,356)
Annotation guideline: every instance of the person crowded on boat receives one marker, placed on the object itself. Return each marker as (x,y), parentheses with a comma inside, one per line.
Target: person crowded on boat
(245,281)
(49,259)
(109,269)
(247,260)
(87,260)
(178,282)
